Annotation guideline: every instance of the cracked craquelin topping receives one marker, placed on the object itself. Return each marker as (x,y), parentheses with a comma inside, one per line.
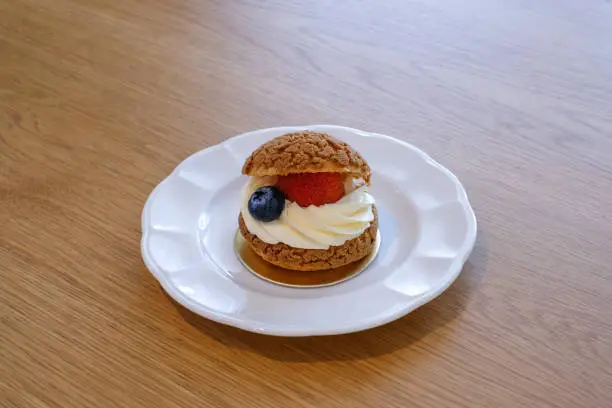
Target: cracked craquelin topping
(305,152)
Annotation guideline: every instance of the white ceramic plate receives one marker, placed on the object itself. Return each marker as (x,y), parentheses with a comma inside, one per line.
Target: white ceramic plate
(428,230)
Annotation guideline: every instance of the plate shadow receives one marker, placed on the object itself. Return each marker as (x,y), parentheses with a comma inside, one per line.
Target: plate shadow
(361,345)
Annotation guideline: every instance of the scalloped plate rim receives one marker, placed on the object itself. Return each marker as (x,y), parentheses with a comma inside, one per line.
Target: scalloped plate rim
(446,280)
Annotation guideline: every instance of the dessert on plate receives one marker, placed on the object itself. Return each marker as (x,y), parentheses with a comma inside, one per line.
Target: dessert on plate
(306,206)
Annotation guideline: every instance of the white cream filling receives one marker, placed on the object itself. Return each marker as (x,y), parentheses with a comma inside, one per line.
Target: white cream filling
(312,227)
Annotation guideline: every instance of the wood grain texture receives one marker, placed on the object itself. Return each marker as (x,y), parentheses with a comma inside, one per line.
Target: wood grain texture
(100,99)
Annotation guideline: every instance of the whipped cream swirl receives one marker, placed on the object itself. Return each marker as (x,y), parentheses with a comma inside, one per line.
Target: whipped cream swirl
(311,227)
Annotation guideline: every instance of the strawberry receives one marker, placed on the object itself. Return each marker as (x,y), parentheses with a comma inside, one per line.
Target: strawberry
(312,188)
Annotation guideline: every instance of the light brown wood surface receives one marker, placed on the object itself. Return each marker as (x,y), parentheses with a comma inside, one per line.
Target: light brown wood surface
(100,99)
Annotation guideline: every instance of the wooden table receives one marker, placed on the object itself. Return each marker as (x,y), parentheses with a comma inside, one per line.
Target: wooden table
(100,99)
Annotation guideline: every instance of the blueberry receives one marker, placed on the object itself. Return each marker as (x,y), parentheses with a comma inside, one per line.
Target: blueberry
(266,204)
